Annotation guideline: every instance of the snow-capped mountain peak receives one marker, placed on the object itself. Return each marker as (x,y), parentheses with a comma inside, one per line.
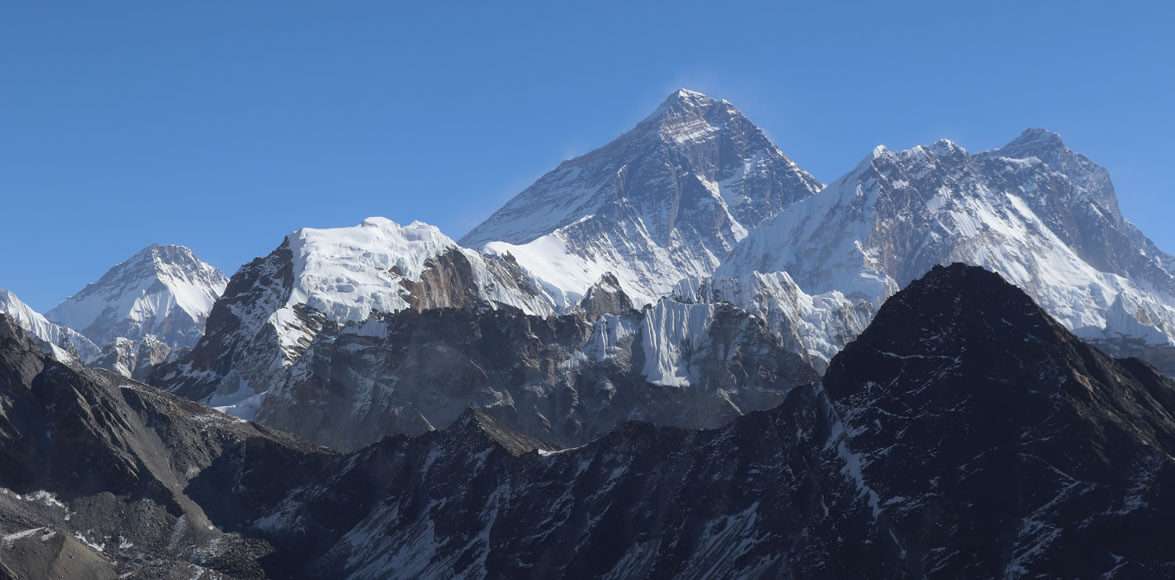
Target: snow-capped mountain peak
(1034,211)
(664,201)
(1092,180)
(275,306)
(163,290)
(349,272)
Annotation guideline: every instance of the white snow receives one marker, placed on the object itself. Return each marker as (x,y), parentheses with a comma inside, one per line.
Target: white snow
(9,539)
(350,272)
(839,241)
(66,341)
(143,295)
(652,207)
(670,328)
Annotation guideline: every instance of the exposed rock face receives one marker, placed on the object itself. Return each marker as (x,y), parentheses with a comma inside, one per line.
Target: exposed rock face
(162,291)
(666,200)
(135,359)
(101,477)
(965,434)
(992,386)
(563,379)
(318,279)
(1034,211)
(605,297)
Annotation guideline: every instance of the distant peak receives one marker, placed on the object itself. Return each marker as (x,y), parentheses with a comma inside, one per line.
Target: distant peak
(1034,142)
(160,254)
(685,101)
(688,96)
(944,147)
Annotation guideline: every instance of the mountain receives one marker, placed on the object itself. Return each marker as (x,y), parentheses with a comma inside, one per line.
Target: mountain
(164,291)
(65,344)
(1041,215)
(565,380)
(666,200)
(320,279)
(102,477)
(965,433)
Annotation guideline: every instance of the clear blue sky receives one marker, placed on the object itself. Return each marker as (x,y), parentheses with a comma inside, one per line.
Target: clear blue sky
(224,125)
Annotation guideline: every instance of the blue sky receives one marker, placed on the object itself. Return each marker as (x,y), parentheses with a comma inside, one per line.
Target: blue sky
(224,125)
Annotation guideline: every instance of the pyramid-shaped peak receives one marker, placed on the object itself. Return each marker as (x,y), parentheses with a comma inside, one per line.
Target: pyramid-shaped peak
(1034,142)
(688,103)
(690,97)
(165,253)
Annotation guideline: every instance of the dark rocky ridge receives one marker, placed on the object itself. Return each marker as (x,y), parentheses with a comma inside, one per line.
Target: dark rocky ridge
(966,434)
(561,379)
(118,478)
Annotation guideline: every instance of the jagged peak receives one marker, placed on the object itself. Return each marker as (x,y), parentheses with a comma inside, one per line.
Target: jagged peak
(946,147)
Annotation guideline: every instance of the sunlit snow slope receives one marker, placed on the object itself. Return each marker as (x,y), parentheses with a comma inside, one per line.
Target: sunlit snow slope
(665,201)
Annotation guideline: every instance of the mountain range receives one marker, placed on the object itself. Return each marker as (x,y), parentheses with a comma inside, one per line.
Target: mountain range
(965,433)
(679,355)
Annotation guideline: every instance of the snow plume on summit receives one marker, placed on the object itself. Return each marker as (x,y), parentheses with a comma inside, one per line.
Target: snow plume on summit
(664,201)
(165,291)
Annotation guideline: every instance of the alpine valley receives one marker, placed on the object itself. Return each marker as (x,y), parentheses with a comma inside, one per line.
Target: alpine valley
(677,356)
